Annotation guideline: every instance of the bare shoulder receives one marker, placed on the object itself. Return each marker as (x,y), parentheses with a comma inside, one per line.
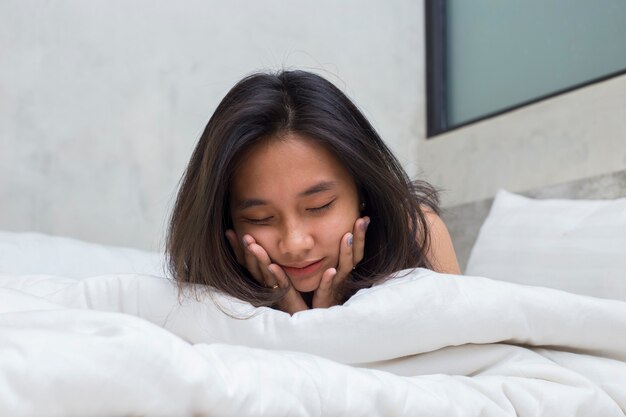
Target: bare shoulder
(441,252)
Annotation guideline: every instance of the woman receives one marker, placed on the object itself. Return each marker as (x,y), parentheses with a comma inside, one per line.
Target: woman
(284,185)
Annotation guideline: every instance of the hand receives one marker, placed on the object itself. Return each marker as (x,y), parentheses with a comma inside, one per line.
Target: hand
(255,259)
(351,252)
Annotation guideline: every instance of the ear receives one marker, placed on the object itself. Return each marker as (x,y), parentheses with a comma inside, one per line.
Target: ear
(236,245)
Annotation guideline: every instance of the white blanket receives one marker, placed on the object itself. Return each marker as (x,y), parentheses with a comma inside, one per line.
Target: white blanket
(423,344)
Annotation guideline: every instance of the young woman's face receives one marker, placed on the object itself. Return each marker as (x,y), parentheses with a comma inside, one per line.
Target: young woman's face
(297,201)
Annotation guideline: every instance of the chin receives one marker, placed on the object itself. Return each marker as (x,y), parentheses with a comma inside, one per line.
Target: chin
(306,285)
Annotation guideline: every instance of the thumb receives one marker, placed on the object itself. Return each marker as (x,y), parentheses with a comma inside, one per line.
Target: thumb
(324,295)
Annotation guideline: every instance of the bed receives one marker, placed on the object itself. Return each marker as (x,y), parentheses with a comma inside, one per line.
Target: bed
(90,330)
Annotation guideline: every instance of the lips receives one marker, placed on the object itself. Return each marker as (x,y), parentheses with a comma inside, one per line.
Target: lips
(304,270)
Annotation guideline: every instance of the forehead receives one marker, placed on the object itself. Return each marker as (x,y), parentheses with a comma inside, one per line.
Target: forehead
(286,165)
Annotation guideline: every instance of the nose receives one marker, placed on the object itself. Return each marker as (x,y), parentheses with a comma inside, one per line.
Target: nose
(296,240)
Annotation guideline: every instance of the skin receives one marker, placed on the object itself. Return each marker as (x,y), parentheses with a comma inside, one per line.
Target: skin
(441,253)
(296,220)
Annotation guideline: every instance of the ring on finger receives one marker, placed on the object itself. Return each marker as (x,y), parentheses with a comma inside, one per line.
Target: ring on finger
(273,287)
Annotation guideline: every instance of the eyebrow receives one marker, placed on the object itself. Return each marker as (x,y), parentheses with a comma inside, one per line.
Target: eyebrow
(318,188)
(314,189)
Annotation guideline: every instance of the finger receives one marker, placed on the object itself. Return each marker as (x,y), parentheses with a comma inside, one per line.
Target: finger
(292,302)
(358,243)
(235,245)
(249,261)
(258,260)
(346,261)
(325,296)
(264,262)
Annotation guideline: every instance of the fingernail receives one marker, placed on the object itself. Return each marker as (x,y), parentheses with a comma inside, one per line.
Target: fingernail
(245,244)
(365,224)
(350,241)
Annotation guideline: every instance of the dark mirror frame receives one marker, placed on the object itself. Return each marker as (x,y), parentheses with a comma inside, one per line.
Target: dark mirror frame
(436,75)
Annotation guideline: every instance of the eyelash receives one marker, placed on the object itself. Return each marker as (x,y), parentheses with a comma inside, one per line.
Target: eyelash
(322,208)
(259,221)
(312,209)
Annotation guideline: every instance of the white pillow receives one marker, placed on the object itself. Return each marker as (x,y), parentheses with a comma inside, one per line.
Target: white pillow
(573,245)
(34,253)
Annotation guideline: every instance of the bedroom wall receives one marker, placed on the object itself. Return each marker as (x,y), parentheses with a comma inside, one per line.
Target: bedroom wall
(101,102)
(569,137)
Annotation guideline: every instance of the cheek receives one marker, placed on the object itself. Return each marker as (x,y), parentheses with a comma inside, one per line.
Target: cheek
(264,236)
(329,231)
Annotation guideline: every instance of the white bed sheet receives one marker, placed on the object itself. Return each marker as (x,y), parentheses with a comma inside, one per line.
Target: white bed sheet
(424,344)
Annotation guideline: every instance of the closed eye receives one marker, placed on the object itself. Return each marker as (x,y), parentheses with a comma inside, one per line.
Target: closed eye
(321,208)
(264,220)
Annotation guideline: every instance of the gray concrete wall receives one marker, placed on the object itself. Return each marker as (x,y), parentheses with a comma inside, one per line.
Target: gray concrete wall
(101,102)
(572,136)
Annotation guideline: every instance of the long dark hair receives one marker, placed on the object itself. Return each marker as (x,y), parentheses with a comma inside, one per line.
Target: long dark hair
(259,107)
